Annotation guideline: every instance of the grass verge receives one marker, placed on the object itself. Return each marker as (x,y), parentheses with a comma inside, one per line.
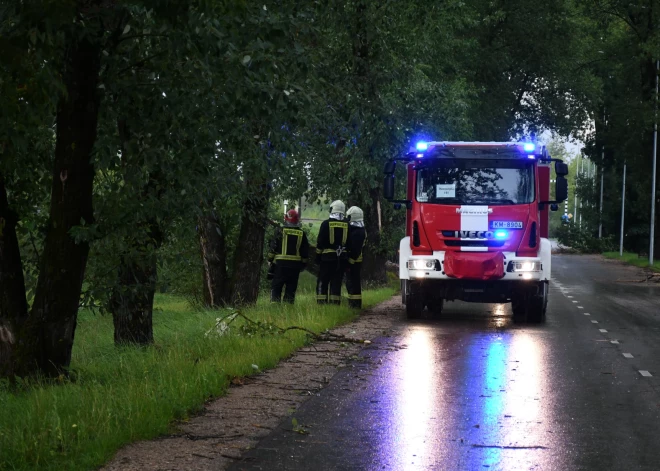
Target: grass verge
(121,395)
(632,259)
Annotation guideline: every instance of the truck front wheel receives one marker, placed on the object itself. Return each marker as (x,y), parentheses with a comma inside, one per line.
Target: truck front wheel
(414,308)
(435,306)
(531,306)
(414,301)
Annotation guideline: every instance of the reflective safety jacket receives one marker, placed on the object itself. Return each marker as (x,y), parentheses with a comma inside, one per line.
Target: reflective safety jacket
(357,238)
(289,247)
(331,242)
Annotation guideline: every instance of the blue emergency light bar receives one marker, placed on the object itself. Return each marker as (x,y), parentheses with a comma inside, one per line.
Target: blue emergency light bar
(531,150)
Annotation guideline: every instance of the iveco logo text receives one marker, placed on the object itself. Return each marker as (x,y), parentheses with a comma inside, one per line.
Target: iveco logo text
(474,234)
(474,212)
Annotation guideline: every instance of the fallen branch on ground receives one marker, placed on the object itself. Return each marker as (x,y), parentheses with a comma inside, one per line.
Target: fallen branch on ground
(650,277)
(252,327)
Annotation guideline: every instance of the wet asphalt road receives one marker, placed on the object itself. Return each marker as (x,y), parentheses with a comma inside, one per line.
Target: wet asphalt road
(474,391)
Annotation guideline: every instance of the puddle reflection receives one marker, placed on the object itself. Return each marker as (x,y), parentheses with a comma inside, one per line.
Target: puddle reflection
(457,402)
(416,397)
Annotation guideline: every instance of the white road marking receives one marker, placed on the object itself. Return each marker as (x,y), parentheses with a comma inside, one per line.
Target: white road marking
(603,330)
(574,301)
(615,342)
(569,296)
(628,355)
(587,314)
(645,373)
(580,307)
(594,322)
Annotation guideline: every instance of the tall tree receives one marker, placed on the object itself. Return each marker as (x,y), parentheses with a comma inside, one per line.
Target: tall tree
(44,340)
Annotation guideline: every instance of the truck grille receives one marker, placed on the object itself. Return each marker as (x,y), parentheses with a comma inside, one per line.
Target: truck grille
(474,243)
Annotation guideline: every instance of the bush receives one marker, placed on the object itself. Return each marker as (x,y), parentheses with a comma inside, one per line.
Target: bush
(583,240)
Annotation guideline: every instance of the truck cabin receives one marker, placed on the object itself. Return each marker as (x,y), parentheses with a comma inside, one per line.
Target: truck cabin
(477,223)
(450,182)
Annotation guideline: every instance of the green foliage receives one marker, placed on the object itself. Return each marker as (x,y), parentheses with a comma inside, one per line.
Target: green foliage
(128,394)
(639,260)
(207,104)
(581,240)
(624,47)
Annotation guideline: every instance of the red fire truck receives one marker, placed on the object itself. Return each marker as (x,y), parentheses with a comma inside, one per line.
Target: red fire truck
(477,224)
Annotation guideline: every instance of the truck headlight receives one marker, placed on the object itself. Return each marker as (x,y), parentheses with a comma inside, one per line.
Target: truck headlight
(527,266)
(421,264)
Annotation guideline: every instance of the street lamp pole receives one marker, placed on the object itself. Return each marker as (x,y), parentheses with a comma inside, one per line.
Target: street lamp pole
(655,147)
(623,209)
(600,212)
(577,171)
(582,174)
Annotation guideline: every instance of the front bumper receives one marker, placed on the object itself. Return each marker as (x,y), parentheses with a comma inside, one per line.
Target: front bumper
(515,268)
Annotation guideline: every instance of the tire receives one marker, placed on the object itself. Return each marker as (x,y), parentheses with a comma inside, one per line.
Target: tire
(531,307)
(538,305)
(518,308)
(414,300)
(414,307)
(435,307)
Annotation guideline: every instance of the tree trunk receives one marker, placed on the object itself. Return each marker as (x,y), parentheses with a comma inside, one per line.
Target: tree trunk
(213,247)
(373,265)
(52,322)
(132,300)
(249,252)
(649,77)
(13,305)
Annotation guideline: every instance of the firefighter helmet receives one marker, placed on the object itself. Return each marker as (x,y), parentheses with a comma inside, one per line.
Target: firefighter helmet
(355,214)
(291,216)
(337,207)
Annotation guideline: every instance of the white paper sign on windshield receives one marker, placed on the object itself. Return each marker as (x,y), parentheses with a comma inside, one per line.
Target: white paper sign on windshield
(445,190)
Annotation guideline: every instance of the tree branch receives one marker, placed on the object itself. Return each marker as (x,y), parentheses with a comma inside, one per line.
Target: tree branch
(141,62)
(144,35)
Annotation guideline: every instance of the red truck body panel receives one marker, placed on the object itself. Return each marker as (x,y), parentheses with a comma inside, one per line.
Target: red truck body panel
(446,227)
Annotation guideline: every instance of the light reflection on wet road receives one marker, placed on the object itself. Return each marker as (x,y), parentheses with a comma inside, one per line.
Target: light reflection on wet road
(445,410)
(474,391)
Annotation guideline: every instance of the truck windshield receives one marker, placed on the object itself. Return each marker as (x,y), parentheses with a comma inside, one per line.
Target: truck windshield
(471,181)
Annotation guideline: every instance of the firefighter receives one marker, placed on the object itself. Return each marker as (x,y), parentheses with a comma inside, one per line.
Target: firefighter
(357,237)
(288,256)
(331,255)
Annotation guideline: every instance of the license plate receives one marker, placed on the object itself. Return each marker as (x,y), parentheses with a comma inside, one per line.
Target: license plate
(506,224)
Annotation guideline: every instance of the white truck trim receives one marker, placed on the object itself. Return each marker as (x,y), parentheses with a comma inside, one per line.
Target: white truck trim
(545,254)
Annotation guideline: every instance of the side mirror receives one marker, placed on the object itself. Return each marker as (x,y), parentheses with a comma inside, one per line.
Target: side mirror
(561,169)
(390,166)
(554,207)
(388,186)
(561,189)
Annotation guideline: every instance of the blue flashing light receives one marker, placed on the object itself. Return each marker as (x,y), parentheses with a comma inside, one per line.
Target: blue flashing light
(422,146)
(419,156)
(529,147)
(501,234)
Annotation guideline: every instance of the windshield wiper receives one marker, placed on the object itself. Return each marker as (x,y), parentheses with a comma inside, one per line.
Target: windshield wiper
(448,201)
(493,201)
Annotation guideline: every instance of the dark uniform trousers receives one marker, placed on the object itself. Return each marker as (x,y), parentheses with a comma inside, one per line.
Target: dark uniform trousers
(285,277)
(332,258)
(328,284)
(357,237)
(288,251)
(354,285)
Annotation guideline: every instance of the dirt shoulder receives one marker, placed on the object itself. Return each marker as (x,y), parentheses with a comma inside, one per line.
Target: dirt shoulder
(234,423)
(629,273)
